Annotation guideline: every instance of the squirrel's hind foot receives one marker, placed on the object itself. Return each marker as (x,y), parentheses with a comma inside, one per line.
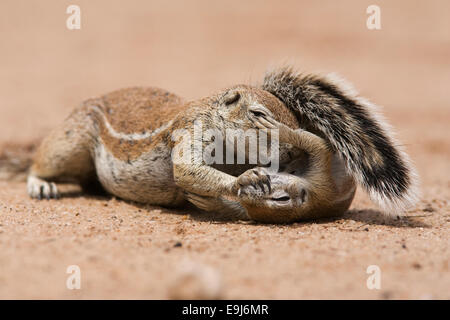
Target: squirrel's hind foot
(40,189)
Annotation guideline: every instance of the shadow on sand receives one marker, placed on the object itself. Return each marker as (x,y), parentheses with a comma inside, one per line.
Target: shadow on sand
(365,217)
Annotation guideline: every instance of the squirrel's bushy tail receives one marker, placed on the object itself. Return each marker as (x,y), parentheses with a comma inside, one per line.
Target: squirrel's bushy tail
(365,142)
(15,160)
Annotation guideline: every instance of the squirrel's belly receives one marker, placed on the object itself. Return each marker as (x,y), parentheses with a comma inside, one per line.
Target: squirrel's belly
(146,179)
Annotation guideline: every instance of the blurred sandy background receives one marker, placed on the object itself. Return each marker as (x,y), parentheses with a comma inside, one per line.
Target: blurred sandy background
(193,48)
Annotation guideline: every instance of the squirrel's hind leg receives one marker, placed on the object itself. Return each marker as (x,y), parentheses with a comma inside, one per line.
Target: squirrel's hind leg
(223,208)
(63,156)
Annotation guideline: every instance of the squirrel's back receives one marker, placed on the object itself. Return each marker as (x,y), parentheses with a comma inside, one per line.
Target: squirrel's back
(139,109)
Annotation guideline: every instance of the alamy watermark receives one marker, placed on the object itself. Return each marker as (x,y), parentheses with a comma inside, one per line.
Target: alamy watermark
(374,19)
(74,280)
(374,280)
(229,146)
(73,22)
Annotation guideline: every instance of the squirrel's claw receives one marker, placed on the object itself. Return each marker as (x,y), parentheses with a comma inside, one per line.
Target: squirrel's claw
(254,183)
(40,189)
(262,117)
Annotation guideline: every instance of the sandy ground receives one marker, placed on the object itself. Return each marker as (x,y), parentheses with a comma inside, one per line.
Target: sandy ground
(129,251)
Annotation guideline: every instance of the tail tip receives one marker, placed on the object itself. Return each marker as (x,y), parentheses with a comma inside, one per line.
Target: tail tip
(398,205)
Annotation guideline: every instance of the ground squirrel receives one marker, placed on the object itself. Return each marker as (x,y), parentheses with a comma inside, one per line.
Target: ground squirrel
(329,140)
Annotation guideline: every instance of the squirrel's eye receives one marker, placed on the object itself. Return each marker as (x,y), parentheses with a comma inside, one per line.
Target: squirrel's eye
(231,97)
(284,198)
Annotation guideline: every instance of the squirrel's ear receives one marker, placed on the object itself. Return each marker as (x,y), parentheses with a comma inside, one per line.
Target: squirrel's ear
(354,130)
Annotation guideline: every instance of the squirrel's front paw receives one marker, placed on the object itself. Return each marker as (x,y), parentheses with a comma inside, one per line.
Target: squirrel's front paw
(40,189)
(253,183)
(262,117)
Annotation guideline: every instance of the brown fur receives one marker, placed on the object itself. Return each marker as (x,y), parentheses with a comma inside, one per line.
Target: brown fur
(124,140)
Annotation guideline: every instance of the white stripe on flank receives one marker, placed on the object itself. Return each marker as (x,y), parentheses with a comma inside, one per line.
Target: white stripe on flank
(130,136)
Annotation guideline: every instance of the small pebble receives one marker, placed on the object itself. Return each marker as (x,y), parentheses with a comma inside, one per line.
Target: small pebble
(417,265)
(177,244)
(196,281)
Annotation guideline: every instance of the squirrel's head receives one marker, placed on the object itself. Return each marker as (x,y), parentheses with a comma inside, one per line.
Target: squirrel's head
(237,105)
(281,205)
(291,199)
